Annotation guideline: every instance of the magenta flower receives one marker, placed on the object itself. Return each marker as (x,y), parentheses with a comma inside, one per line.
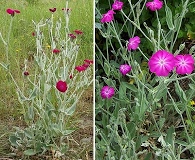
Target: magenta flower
(72,36)
(108,17)
(107,92)
(154,5)
(26,73)
(161,63)
(184,64)
(80,68)
(78,31)
(117,5)
(12,11)
(56,51)
(124,69)
(86,65)
(70,76)
(33,34)
(88,61)
(61,86)
(52,10)
(68,9)
(133,43)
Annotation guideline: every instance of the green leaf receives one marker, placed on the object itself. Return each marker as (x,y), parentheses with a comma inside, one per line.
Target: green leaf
(169,18)
(122,91)
(107,69)
(132,130)
(170,136)
(180,92)
(13,140)
(69,111)
(33,94)
(67,132)
(21,97)
(29,152)
(148,156)
(98,25)
(30,113)
(63,148)
(192,86)
(160,94)
(161,122)
(28,133)
(129,86)
(192,49)
(47,87)
(109,82)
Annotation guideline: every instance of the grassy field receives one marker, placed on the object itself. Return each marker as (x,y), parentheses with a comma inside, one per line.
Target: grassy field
(22,46)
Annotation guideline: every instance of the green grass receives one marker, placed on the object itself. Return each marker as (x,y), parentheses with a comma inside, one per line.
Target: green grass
(21,37)
(22,45)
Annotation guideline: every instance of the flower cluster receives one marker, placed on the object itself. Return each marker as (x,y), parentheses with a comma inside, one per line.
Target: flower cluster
(118,5)
(162,63)
(154,5)
(62,85)
(84,66)
(77,32)
(52,10)
(12,11)
(109,16)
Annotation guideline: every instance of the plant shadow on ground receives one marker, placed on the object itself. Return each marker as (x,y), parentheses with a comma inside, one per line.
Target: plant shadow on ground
(80,142)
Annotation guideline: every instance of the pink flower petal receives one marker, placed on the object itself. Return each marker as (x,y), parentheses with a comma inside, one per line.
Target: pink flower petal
(52,10)
(56,51)
(61,86)
(78,31)
(184,64)
(154,5)
(124,69)
(161,63)
(107,92)
(12,11)
(133,43)
(80,68)
(117,5)
(108,17)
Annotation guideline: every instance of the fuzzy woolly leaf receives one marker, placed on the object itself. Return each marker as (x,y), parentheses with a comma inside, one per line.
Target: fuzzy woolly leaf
(169,18)
(13,140)
(170,135)
(130,86)
(180,92)
(107,69)
(29,152)
(69,111)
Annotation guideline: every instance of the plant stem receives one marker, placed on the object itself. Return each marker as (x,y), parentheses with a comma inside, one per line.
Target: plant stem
(8,39)
(137,27)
